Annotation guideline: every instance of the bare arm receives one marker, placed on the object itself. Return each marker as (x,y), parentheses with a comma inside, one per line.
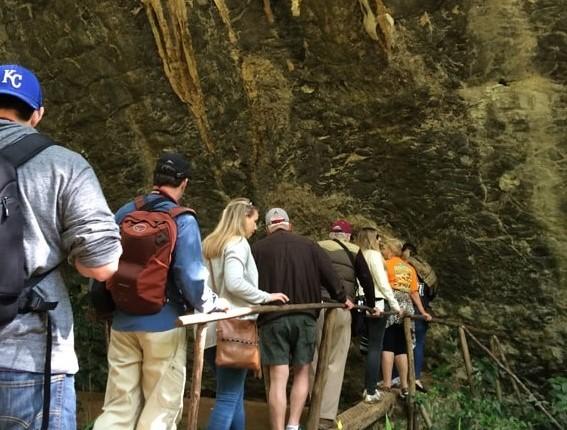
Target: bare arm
(417,301)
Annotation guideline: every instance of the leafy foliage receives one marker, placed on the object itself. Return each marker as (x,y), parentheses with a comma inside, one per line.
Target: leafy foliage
(452,405)
(558,394)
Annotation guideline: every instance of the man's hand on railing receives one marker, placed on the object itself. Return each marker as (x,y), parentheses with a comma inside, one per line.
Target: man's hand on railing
(278,297)
(348,304)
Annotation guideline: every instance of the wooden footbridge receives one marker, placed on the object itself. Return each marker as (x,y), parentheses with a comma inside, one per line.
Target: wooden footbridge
(362,415)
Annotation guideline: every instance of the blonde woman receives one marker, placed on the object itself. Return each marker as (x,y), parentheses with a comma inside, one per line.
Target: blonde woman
(369,242)
(227,253)
(403,279)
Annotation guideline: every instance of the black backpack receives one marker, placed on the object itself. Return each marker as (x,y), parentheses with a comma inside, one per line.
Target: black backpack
(17,294)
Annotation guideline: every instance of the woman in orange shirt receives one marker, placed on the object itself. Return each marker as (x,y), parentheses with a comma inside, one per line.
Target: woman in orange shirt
(403,280)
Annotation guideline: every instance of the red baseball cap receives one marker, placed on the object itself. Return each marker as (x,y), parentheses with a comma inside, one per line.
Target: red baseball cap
(341,225)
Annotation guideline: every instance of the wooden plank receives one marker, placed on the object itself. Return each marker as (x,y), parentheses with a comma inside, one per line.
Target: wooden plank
(198,361)
(321,373)
(89,406)
(363,415)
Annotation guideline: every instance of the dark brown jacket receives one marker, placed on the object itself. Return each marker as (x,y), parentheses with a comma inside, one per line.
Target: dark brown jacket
(296,266)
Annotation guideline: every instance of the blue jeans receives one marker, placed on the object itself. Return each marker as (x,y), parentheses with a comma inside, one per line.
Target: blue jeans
(376,328)
(21,401)
(228,413)
(421,327)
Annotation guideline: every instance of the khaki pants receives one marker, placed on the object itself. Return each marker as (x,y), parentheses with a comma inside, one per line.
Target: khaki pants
(146,381)
(340,341)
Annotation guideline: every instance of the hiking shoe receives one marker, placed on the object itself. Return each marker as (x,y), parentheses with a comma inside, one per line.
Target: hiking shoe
(420,387)
(404,393)
(371,398)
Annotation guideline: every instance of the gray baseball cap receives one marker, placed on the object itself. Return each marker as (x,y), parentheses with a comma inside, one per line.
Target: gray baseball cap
(276,216)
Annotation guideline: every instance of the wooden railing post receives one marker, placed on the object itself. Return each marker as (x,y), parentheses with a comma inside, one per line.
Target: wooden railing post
(426,417)
(321,373)
(505,363)
(198,360)
(466,356)
(498,386)
(411,374)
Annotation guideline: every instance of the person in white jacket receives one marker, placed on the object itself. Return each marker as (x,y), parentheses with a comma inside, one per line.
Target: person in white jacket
(368,241)
(233,270)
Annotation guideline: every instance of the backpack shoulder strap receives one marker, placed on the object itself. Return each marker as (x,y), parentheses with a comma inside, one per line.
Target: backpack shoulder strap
(175,212)
(25,149)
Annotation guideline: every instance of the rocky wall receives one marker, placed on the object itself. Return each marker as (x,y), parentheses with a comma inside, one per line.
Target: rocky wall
(449,127)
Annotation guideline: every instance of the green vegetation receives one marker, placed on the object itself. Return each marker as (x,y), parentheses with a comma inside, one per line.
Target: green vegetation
(451,404)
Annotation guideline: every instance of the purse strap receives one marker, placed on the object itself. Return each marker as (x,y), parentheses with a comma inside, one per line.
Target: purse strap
(350,256)
(352,262)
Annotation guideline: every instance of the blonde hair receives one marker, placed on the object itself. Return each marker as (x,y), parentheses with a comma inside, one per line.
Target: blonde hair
(394,245)
(231,224)
(367,239)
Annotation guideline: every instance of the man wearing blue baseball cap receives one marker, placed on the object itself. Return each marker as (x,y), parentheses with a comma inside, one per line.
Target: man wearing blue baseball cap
(51,209)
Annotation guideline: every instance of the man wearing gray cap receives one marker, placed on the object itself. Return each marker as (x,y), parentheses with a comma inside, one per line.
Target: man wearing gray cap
(53,211)
(297,267)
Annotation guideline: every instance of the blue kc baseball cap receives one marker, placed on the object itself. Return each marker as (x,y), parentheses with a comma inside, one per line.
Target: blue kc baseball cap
(19,82)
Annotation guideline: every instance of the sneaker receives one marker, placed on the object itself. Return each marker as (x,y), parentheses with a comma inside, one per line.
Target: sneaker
(404,393)
(371,398)
(396,381)
(420,387)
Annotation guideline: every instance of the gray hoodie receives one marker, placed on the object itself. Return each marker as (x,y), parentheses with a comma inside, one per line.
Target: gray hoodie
(66,217)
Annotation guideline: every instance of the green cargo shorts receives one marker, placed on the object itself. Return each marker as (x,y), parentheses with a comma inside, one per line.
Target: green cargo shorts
(289,339)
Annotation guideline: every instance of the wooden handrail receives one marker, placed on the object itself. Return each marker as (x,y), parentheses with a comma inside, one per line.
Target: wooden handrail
(192,319)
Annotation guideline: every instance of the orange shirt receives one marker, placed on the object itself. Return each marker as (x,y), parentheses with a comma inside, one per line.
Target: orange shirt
(401,275)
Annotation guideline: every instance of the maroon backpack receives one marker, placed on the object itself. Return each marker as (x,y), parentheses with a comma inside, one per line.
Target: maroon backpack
(148,241)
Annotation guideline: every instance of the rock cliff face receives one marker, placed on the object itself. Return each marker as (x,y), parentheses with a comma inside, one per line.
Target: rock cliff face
(447,126)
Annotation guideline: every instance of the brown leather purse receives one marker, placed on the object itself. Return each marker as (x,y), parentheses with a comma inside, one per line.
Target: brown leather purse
(237,341)
(237,344)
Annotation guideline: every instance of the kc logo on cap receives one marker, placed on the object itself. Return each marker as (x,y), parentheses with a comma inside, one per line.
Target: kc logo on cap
(13,77)
(17,81)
